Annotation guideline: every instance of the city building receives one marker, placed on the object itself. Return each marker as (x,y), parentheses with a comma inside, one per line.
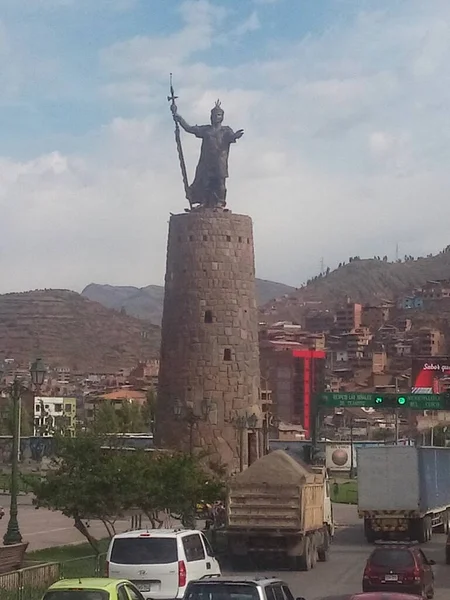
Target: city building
(348,317)
(374,317)
(55,414)
(429,342)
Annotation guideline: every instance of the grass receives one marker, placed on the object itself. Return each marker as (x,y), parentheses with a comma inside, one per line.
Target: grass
(24,479)
(65,553)
(345,493)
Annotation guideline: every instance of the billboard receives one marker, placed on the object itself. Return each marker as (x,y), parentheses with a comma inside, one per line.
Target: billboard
(430,374)
(338,456)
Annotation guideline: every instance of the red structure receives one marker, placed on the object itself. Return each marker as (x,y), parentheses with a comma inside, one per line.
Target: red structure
(309,379)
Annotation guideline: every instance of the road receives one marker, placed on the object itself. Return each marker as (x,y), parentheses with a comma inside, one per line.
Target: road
(44,528)
(341,576)
(333,580)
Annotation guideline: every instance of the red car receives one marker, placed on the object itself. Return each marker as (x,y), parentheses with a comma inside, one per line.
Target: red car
(384,596)
(399,568)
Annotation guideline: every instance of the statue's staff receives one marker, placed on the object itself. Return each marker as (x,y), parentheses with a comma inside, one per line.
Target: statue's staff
(173,108)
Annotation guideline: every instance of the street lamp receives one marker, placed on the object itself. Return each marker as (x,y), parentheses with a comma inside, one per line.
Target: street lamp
(186,412)
(37,371)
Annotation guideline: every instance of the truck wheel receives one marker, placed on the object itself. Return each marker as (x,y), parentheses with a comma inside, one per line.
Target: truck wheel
(323,551)
(428,523)
(313,552)
(304,560)
(368,531)
(418,531)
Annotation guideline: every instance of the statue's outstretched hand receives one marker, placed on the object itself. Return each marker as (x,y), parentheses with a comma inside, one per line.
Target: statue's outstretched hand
(239,133)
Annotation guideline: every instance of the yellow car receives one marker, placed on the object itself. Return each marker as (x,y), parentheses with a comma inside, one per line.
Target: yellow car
(98,588)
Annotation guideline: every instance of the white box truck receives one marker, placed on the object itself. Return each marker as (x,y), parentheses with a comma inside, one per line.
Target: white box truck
(403,491)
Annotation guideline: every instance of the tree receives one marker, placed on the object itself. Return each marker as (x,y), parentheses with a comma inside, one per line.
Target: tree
(174,483)
(149,410)
(7,423)
(105,418)
(94,478)
(88,482)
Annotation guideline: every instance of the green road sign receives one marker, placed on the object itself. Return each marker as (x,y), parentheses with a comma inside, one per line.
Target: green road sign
(380,401)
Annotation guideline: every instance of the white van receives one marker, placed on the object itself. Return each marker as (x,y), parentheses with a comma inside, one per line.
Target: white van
(161,562)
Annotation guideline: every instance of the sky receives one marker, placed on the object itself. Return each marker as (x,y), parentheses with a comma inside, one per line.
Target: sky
(344,104)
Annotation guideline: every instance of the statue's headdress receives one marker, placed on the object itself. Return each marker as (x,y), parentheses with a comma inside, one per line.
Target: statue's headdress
(217,107)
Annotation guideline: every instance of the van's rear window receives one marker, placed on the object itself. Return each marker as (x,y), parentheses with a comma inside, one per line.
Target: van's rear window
(77,595)
(144,551)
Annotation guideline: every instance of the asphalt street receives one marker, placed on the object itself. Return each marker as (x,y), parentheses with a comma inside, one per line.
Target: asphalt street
(334,580)
(342,575)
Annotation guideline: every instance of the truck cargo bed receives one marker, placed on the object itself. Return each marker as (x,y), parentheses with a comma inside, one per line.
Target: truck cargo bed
(403,479)
(293,508)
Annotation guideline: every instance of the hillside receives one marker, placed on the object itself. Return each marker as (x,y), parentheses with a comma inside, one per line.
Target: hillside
(365,281)
(147,302)
(67,329)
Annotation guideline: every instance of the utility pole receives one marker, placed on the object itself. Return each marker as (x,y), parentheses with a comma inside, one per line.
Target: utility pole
(396,416)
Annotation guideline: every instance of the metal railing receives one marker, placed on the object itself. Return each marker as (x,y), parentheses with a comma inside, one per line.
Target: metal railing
(31,582)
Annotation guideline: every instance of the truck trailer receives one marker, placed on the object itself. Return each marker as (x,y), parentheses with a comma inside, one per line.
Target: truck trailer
(404,492)
(279,507)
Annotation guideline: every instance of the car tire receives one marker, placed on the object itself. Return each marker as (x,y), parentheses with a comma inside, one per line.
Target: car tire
(430,593)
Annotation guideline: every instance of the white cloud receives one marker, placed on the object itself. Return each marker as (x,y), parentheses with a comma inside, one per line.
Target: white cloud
(251,23)
(345,152)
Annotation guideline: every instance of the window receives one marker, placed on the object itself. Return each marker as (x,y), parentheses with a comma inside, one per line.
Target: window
(193,548)
(278,592)
(228,238)
(208,316)
(205,238)
(227,354)
(222,591)
(209,550)
(191,238)
(270,595)
(37,408)
(134,594)
(144,551)
(240,239)
(392,559)
(68,408)
(78,595)
(287,592)
(122,593)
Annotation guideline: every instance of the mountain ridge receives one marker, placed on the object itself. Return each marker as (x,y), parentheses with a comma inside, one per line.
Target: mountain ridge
(147,302)
(69,330)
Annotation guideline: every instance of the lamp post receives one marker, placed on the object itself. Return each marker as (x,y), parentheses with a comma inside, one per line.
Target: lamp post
(187,413)
(13,535)
(37,371)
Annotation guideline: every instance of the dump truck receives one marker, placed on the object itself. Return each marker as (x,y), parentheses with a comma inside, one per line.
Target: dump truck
(279,507)
(404,492)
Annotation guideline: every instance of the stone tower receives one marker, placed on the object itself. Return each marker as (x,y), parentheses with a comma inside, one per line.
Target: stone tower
(209,379)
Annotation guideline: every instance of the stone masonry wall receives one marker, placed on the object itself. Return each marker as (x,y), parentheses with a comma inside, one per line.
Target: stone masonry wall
(209,351)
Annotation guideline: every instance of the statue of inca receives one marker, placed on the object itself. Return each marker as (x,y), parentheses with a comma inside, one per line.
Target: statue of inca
(208,188)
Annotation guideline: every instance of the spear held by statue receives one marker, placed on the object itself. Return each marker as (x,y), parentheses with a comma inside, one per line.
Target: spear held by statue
(173,108)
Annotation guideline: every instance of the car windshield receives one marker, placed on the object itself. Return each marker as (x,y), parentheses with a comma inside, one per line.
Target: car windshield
(144,551)
(392,559)
(222,591)
(77,595)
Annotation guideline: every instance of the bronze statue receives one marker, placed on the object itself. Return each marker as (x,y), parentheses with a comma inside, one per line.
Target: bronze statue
(208,188)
